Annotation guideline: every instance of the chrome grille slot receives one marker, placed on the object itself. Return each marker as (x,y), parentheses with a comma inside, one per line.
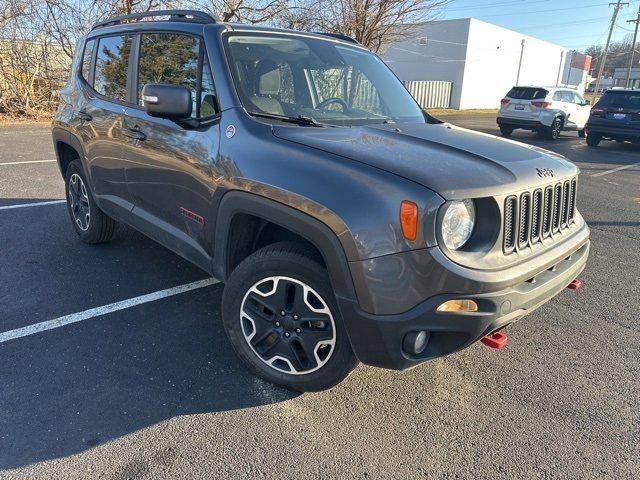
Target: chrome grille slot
(537,215)
(547,212)
(565,203)
(524,220)
(572,202)
(510,206)
(557,207)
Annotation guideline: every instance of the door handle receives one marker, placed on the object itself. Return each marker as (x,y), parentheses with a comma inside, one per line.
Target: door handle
(82,115)
(134,132)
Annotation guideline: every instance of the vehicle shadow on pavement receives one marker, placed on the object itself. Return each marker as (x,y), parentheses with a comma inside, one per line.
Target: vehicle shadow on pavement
(69,389)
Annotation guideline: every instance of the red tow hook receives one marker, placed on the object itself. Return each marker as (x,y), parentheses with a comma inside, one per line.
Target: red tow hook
(575,284)
(495,340)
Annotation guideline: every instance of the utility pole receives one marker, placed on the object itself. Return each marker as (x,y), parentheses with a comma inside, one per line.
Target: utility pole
(633,46)
(560,67)
(520,62)
(618,5)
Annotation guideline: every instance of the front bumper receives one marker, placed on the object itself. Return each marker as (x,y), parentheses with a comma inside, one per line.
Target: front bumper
(377,339)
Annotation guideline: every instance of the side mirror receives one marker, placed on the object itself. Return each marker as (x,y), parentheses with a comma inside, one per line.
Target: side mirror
(167,101)
(586,102)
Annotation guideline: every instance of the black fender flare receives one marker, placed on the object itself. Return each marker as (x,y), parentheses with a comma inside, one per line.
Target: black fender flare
(61,135)
(304,225)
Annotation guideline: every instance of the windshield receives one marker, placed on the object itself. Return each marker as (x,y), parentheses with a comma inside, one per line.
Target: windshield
(326,81)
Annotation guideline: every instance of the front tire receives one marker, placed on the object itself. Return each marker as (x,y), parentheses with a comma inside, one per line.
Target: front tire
(90,223)
(582,133)
(281,316)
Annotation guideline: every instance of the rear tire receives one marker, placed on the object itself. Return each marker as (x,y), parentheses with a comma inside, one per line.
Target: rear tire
(553,132)
(593,140)
(90,223)
(282,296)
(506,131)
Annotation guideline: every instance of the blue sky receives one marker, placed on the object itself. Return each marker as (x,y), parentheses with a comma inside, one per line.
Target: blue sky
(574,24)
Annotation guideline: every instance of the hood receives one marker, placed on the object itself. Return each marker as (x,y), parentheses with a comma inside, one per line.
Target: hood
(454,162)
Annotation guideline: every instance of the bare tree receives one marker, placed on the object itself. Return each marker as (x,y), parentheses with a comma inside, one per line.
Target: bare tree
(242,11)
(38,37)
(373,23)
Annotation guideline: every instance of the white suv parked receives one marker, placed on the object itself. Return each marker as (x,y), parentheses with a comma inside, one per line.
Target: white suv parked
(546,110)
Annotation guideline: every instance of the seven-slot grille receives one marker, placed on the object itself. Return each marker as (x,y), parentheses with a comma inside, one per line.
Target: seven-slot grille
(533,216)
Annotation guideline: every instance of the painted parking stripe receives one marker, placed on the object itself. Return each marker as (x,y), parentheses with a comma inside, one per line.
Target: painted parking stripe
(34,204)
(26,161)
(103,310)
(613,170)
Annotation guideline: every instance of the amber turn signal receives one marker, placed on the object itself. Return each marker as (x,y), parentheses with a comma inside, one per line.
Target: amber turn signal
(458,306)
(409,219)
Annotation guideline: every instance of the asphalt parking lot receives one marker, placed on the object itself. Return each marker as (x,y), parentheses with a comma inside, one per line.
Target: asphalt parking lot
(151,389)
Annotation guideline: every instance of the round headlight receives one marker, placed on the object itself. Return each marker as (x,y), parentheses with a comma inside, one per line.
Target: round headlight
(457,223)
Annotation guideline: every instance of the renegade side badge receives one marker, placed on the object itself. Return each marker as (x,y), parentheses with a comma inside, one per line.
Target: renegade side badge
(230,131)
(192,215)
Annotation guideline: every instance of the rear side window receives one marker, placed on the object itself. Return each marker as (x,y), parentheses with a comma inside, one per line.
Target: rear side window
(177,59)
(112,62)
(87,56)
(527,93)
(620,100)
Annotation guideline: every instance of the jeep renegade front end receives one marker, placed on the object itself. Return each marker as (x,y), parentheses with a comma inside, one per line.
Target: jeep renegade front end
(347,224)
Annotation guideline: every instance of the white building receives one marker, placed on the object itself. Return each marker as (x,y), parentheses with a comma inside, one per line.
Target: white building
(483,61)
(620,78)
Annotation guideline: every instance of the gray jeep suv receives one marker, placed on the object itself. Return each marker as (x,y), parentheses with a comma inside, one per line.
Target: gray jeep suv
(347,224)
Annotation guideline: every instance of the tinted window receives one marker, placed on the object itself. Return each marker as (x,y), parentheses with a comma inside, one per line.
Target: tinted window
(86,59)
(527,93)
(207,102)
(111,67)
(175,59)
(620,100)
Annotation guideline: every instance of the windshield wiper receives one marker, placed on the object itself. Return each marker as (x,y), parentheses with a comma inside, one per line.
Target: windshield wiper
(299,120)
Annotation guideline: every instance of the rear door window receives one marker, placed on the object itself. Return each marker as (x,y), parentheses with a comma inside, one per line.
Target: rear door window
(177,59)
(112,62)
(527,93)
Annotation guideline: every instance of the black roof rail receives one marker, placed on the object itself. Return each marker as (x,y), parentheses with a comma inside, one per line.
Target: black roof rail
(340,36)
(193,16)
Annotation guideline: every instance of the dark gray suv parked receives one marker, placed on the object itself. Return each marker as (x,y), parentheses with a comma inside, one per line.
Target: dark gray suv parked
(347,225)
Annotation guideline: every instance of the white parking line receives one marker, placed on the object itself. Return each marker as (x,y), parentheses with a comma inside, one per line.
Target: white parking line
(26,161)
(103,310)
(613,170)
(34,204)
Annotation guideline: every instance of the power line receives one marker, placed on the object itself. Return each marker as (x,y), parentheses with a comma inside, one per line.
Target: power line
(617,8)
(633,46)
(502,4)
(544,11)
